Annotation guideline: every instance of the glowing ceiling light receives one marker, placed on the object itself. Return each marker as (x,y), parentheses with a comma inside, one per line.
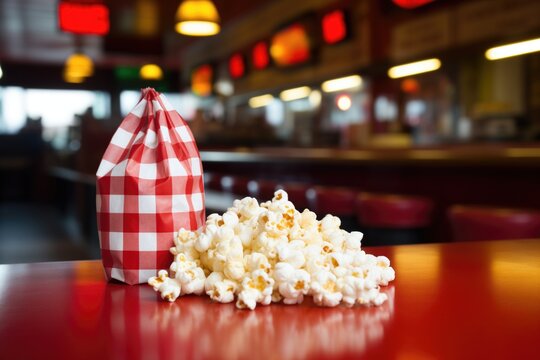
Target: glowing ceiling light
(79,65)
(77,68)
(197,18)
(515,49)
(1,72)
(224,87)
(315,98)
(151,72)
(343,83)
(414,68)
(260,101)
(344,102)
(73,79)
(295,94)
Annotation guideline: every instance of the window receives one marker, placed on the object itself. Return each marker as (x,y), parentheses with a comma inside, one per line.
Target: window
(55,108)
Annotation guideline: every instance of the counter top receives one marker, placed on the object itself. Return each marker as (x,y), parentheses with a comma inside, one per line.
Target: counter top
(458,155)
(477,300)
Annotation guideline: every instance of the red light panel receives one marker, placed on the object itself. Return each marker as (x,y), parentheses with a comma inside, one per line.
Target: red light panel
(411,4)
(261,59)
(83,18)
(334,27)
(237,67)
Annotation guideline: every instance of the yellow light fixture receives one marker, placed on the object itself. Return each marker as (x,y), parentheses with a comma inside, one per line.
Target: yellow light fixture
(197,18)
(260,101)
(295,94)
(343,83)
(515,49)
(414,68)
(151,72)
(146,17)
(73,79)
(78,67)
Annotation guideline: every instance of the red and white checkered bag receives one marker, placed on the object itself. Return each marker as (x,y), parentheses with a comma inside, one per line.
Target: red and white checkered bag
(149,185)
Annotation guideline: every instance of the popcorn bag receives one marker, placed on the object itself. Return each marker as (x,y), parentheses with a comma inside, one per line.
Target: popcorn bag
(149,185)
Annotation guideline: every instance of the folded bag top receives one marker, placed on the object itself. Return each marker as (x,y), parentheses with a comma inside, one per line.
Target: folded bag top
(149,185)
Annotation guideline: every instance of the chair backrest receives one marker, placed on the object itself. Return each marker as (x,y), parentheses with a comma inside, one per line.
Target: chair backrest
(470,223)
(337,201)
(393,211)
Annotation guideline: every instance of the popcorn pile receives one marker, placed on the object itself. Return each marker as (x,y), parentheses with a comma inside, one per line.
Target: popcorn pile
(270,252)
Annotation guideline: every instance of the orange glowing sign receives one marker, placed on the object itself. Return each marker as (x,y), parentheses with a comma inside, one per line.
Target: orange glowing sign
(83,18)
(201,80)
(291,46)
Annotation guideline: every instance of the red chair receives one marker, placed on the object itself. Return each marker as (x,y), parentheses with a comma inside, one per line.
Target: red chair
(394,211)
(297,194)
(388,219)
(337,201)
(470,223)
(262,189)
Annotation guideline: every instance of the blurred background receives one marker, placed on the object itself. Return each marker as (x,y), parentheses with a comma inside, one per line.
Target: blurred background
(395,115)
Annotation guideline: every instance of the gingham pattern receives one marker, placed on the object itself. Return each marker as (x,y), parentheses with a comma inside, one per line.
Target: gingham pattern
(149,185)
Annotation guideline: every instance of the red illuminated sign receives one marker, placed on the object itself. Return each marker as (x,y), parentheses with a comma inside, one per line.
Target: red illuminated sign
(83,18)
(261,59)
(334,27)
(237,67)
(411,4)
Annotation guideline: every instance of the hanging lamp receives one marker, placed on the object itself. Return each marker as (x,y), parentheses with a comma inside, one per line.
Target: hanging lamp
(78,67)
(197,18)
(151,72)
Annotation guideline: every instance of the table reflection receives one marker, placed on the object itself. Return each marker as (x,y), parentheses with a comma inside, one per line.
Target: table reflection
(195,327)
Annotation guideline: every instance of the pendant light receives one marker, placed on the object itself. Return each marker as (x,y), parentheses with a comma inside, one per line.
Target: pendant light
(151,72)
(77,68)
(197,18)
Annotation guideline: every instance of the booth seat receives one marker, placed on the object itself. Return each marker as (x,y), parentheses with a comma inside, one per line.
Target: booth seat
(472,223)
(391,219)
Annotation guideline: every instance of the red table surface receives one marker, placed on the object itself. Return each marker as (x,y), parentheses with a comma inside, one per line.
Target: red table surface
(476,300)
